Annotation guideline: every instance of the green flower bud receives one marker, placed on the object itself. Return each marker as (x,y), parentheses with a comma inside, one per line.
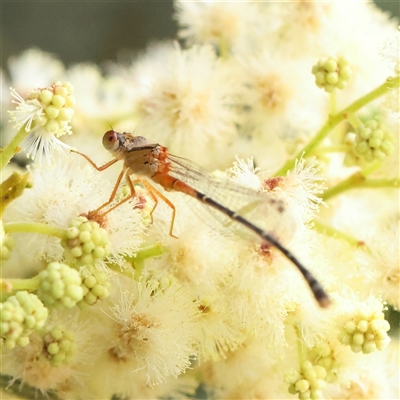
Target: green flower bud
(52,126)
(373,141)
(60,347)
(51,112)
(20,315)
(332,73)
(369,333)
(307,382)
(58,101)
(86,242)
(60,286)
(95,287)
(6,246)
(45,96)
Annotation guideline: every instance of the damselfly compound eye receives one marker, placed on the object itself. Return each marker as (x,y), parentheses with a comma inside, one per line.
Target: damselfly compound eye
(110,140)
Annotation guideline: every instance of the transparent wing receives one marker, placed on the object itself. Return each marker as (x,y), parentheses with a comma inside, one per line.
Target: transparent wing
(263,209)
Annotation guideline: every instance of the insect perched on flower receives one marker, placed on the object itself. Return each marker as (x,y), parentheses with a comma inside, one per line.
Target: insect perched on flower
(177,174)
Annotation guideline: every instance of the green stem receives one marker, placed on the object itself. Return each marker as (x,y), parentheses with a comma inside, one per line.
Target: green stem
(337,148)
(139,265)
(321,134)
(300,346)
(368,170)
(35,227)
(359,181)
(335,119)
(332,232)
(353,120)
(144,253)
(332,102)
(12,188)
(117,268)
(30,284)
(10,286)
(137,261)
(13,147)
(153,250)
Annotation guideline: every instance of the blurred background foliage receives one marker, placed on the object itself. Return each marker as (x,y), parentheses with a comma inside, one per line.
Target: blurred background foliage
(92,30)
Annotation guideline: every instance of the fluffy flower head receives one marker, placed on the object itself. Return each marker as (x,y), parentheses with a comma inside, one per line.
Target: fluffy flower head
(178,110)
(146,323)
(45,114)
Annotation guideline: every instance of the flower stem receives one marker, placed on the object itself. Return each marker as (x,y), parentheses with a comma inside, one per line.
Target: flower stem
(337,148)
(150,251)
(368,170)
(119,269)
(13,147)
(35,227)
(29,284)
(332,232)
(353,120)
(358,180)
(332,101)
(138,265)
(300,346)
(137,261)
(335,119)
(144,253)
(12,188)
(11,286)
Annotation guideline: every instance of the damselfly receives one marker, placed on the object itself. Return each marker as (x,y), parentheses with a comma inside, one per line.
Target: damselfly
(173,173)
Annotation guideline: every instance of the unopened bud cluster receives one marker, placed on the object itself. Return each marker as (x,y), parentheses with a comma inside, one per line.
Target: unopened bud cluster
(57,104)
(373,141)
(366,332)
(86,242)
(95,287)
(308,382)
(7,245)
(60,286)
(20,315)
(332,73)
(323,355)
(59,346)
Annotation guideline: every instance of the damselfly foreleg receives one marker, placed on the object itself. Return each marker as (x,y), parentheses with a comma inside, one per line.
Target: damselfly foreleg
(153,192)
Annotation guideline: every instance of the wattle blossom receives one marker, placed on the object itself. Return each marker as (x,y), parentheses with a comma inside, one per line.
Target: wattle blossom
(139,291)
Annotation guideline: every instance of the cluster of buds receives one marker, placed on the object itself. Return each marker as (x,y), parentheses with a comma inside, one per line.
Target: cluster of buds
(86,242)
(6,243)
(332,73)
(57,103)
(324,356)
(373,141)
(95,287)
(20,315)
(60,286)
(308,382)
(366,332)
(49,108)
(59,346)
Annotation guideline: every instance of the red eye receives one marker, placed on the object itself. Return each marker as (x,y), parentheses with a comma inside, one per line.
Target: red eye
(110,140)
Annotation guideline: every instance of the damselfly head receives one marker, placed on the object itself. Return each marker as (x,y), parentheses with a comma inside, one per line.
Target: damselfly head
(111,140)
